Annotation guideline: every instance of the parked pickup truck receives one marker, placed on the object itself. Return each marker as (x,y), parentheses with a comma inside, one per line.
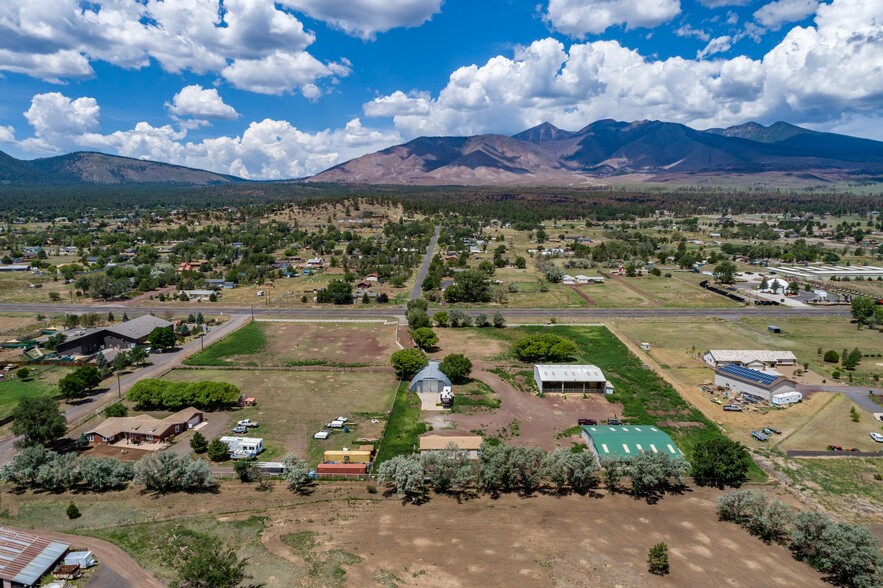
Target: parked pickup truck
(586,422)
(247,423)
(239,430)
(733,408)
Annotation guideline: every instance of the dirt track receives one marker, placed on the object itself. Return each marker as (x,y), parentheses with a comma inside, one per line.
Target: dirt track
(116,569)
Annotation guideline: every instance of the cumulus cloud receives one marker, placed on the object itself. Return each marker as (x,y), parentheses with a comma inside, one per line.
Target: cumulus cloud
(201,103)
(58,39)
(573,86)
(280,72)
(56,118)
(775,14)
(577,18)
(7,134)
(267,149)
(366,18)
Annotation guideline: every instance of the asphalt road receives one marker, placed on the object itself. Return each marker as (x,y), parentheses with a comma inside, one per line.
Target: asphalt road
(396,311)
(858,394)
(424,267)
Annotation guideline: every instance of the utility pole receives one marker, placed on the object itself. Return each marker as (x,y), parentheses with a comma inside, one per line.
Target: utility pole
(252,311)
(119,386)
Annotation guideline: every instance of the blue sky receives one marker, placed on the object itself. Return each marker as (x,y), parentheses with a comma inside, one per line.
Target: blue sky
(274,90)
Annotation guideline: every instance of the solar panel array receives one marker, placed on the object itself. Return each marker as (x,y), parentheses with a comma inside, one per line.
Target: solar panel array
(748,374)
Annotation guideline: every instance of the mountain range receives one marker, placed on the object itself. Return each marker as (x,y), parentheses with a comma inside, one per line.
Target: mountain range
(609,150)
(88,168)
(606,151)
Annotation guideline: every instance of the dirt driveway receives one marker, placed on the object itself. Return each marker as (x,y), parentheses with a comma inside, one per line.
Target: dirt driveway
(539,420)
(116,569)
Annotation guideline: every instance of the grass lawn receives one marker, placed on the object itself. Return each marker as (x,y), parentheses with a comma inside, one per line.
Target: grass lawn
(42,382)
(400,437)
(292,406)
(249,340)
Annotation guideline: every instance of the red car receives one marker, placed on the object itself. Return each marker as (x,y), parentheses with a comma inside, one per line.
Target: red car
(586,422)
(836,448)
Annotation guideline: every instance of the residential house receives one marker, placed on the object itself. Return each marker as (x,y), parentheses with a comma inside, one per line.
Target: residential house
(144,428)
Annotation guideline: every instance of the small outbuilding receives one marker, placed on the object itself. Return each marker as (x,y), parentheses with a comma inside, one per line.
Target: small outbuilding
(430,379)
(347,456)
(471,444)
(25,557)
(609,441)
(754,383)
(563,379)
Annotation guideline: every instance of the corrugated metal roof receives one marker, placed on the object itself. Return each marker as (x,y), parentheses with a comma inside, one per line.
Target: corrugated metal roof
(139,327)
(24,558)
(630,440)
(749,355)
(432,371)
(570,373)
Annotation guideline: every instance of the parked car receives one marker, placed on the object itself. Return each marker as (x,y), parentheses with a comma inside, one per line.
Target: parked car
(776,431)
(835,448)
(716,400)
(877,437)
(853,449)
(341,419)
(322,435)
(733,408)
(586,422)
(247,423)
(334,425)
(239,429)
(760,436)
(614,422)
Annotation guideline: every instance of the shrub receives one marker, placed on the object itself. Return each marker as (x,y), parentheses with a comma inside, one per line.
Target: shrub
(117,409)
(72,511)
(424,338)
(456,366)
(832,356)
(720,462)
(198,443)
(657,559)
(297,473)
(217,450)
(167,472)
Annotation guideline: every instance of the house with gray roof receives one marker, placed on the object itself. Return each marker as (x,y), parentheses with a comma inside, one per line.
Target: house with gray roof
(25,558)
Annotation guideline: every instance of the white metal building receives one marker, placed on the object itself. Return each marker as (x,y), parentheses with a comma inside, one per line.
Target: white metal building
(826,272)
(571,378)
(244,446)
(758,359)
(757,384)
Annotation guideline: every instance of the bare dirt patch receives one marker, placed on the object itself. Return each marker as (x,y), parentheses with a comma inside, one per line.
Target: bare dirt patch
(472,343)
(526,419)
(538,542)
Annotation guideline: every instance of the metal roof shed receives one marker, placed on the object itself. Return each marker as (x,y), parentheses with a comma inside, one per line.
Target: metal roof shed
(430,379)
(563,378)
(608,441)
(25,558)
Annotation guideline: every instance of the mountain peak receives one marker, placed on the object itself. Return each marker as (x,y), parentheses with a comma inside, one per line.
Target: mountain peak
(543,132)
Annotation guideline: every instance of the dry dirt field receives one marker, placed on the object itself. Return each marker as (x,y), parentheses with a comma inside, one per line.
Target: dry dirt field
(543,541)
(341,343)
(475,345)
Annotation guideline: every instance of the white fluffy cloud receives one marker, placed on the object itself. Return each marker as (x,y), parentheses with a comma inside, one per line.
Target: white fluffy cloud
(579,17)
(57,39)
(56,118)
(7,134)
(365,18)
(775,14)
(280,72)
(575,86)
(716,45)
(720,3)
(201,103)
(268,149)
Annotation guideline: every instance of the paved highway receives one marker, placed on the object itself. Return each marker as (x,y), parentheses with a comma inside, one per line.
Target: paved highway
(396,311)
(424,267)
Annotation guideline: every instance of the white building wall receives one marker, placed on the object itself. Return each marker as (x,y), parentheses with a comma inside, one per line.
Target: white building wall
(723,381)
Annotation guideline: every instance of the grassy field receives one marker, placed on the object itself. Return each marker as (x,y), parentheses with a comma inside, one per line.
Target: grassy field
(42,382)
(475,397)
(849,486)
(678,293)
(249,340)
(400,437)
(292,405)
